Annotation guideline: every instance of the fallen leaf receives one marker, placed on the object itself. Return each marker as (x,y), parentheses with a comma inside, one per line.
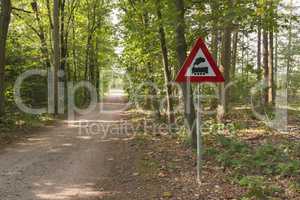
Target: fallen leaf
(167,195)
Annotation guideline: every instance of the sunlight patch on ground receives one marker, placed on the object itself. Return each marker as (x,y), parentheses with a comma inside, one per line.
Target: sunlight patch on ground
(84,137)
(73,192)
(37,139)
(253,131)
(116,93)
(55,150)
(67,145)
(92,121)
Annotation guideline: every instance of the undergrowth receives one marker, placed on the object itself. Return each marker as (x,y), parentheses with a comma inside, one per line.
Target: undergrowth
(254,167)
(12,124)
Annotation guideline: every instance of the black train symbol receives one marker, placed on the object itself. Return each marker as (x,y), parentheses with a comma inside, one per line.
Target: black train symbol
(196,70)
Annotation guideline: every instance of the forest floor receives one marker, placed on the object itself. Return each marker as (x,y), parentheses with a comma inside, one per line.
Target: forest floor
(64,162)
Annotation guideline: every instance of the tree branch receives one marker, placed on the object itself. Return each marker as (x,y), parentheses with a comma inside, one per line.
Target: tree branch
(21,10)
(29,25)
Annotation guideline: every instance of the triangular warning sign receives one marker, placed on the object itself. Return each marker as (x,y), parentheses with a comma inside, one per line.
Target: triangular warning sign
(200,66)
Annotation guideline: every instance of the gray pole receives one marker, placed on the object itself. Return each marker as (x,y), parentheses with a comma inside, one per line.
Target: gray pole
(199,140)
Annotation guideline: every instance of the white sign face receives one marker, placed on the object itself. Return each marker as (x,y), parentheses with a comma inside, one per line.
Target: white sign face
(200,66)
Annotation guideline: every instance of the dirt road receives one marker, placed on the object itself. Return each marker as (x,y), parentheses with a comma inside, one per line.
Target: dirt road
(62,163)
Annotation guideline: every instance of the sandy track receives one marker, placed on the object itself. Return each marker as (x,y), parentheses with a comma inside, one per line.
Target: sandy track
(59,163)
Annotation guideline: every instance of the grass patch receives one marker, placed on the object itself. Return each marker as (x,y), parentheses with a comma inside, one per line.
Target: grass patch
(252,167)
(148,167)
(13,124)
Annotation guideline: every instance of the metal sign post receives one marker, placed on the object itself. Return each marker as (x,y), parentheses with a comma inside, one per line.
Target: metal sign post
(199,136)
(199,67)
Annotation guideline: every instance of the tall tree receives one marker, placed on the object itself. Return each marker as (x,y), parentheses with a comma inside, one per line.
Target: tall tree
(226,56)
(290,42)
(93,24)
(63,39)
(266,65)
(5,12)
(41,34)
(215,30)
(234,52)
(271,69)
(167,71)
(259,50)
(67,11)
(276,61)
(181,49)
(56,48)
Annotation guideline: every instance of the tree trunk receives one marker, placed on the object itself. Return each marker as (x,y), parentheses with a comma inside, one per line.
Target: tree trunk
(42,35)
(215,50)
(276,66)
(215,53)
(91,28)
(74,53)
(290,42)
(63,39)
(226,63)
(4,25)
(64,36)
(271,69)
(181,49)
(154,101)
(266,66)
(226,58)
(167,71)
(97,68)
(243,54)
(215,44)
(154,93)
(247,59)
(215,32)
(92,63)
(50,15)
(87,57)
(56,49)
(259,52)
(234,52)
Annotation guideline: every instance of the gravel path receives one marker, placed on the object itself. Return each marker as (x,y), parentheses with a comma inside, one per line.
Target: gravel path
(60,162)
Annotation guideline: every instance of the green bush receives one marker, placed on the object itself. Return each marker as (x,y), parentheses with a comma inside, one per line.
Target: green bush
(250,165)
(258,187)
(291,168)
(220,129)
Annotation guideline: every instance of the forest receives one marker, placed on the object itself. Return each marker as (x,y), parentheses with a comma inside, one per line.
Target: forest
(251,122)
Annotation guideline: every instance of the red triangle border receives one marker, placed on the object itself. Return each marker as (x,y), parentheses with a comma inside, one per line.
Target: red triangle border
(200,44)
